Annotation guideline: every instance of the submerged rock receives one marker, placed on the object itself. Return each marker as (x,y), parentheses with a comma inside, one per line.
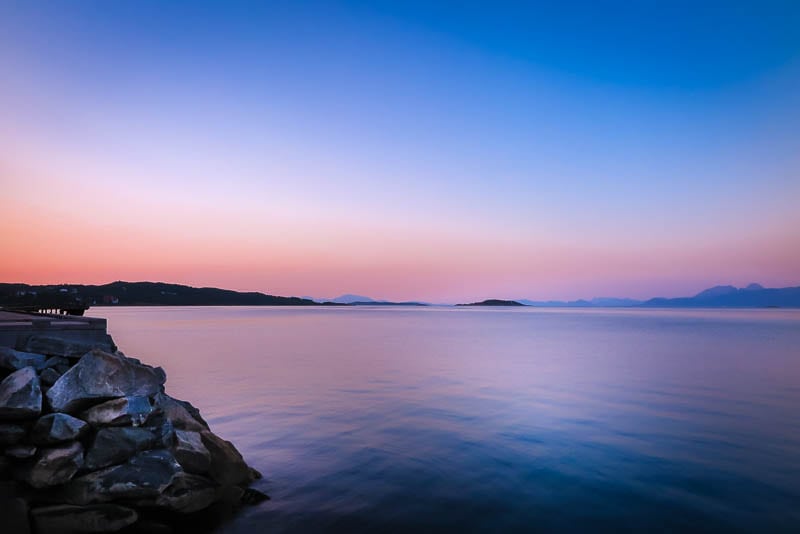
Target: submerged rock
(188,493)
(57,428)
(20,395)
(123,411)
(69,519)
(114,445)
(16,360)
(99,376)
(56,466)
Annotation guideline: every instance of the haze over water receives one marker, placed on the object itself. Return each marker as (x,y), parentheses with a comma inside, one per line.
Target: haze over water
(401,419)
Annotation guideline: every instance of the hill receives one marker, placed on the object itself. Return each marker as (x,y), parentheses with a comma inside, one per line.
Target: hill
(140,294)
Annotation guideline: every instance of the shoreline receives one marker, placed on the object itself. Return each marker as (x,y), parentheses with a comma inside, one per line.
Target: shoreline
(92,441)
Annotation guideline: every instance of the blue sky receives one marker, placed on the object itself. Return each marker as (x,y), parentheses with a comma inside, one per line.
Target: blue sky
(509,149)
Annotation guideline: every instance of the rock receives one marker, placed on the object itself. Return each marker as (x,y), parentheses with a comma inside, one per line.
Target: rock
(99,376)
(11,434)
(21,452)
(123,411)
(190,452)
(67,348)
(182,414)
(16,360)
(145,476)
(114,445)
(188,493)
(227,466)
(252,497)
(14,514)
(69,519)
(56,466)
(163,429)
(49,376)
(57,428)
(20,395)
(56,362)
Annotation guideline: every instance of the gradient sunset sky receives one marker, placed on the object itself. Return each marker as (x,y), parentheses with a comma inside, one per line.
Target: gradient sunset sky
(406,150)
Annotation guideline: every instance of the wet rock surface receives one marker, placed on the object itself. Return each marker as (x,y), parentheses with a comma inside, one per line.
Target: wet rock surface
(99,376)
(105,448)
(20,395)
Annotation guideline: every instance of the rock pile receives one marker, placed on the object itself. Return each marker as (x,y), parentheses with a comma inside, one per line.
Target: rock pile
(92,443)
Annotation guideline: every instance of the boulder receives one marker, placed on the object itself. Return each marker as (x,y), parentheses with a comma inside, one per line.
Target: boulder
(190,452)
(145,476)
(123,411)
(21,452)
(49,376)
(16,360)
(57,428)
(163,429)
(99,376)
(182,414)
(11,434)
(68,519)
(227,466)
(57,362)
(188,493)
(67,348)
(20,395)
(114,445)
(56,466)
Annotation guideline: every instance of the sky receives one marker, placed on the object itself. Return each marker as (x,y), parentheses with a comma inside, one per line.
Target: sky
(409,150)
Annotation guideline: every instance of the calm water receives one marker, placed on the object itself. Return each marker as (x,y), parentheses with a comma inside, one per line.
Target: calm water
(435,419)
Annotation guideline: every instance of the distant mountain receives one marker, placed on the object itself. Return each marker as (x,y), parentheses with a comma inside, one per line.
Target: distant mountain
(350,299)
(493,302)
(752,296)
(608,302)
(387,303)
(141,294)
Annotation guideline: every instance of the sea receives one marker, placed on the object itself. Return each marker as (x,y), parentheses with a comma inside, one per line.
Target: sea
(440,419)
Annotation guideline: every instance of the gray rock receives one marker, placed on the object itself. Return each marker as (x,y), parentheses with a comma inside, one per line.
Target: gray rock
(100,376)
(21,452)
(190,452)
(67,348)
(188,493)
(16,360)
(163,429)
(145,476)
(69,519)
(49,376)
(56,362)
(123,411)
(11,434)
(182,414)
(227,467)
(57,428)
(114,445)
(56,466)
(20,395)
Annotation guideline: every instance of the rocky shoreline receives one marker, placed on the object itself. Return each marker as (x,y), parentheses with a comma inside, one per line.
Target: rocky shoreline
(92,443)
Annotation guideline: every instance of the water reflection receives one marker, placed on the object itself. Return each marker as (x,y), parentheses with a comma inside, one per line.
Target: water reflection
(494,419)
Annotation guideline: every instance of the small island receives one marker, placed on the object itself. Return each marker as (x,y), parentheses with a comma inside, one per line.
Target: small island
(494,302)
